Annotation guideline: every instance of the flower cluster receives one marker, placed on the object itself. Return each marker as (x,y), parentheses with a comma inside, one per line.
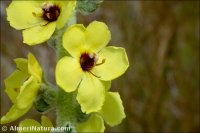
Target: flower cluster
(87,69)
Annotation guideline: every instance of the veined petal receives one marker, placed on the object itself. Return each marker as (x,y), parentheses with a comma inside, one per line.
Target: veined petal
(22,64)
(97,36)
(34,67)
(28,92)
(94,124)
(38,34)
(13,84)
(68,73)
(91,93)
(13,114)
(29,123)
(73,39)
(67,9)
(116,63)
(112,111)
(20,14)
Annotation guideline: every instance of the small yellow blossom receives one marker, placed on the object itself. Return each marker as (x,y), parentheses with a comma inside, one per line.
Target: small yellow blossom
(91,66)
(39,19)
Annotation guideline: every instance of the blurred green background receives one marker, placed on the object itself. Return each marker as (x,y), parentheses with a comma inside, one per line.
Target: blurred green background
(160,90)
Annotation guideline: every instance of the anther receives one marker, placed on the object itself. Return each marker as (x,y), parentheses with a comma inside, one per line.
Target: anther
(50,12)
(102,62)
(88,61)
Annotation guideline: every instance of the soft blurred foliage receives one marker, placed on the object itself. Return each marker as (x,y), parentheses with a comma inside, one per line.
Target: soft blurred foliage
(160,90)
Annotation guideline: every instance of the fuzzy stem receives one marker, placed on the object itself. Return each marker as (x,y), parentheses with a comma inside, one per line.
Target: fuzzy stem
(66,108)
(66,101)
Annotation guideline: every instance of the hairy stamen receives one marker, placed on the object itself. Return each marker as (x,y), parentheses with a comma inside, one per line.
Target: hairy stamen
(94,74)
(102,62)
(51,12)
(88,61)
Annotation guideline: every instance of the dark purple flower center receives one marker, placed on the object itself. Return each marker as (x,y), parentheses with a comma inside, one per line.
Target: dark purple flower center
(50,12)
(88,61)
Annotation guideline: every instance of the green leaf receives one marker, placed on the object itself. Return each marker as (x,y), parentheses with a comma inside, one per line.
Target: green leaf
(50,96)
(88,6)
(46,100)
(41,105)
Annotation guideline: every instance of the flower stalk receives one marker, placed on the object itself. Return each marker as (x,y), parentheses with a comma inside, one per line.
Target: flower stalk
(66,102)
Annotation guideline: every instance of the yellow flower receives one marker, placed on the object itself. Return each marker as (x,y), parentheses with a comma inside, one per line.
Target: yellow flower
(91,66)
(112,113)
(39,19)
(28,123)
(22,87)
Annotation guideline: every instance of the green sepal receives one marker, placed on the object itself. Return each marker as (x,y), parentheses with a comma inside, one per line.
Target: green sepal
(46,99)
(40,105)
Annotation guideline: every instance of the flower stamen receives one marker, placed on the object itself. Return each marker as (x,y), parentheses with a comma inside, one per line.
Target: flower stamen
(102,62)
(94,74)
(51,12)
(87,61)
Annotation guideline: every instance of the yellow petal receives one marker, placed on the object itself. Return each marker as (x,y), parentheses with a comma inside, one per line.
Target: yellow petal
(13,84)
(45,121)
(97,36)
(28,92)
(22,64)
(73,39)
(20,14)
(13,114)
(107,85)
(94,124)
(34,67)
(112,111)
(116,63)
(30,123)
(68,73)
(27,124)
(38,34)
(91,94)
(67,9)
